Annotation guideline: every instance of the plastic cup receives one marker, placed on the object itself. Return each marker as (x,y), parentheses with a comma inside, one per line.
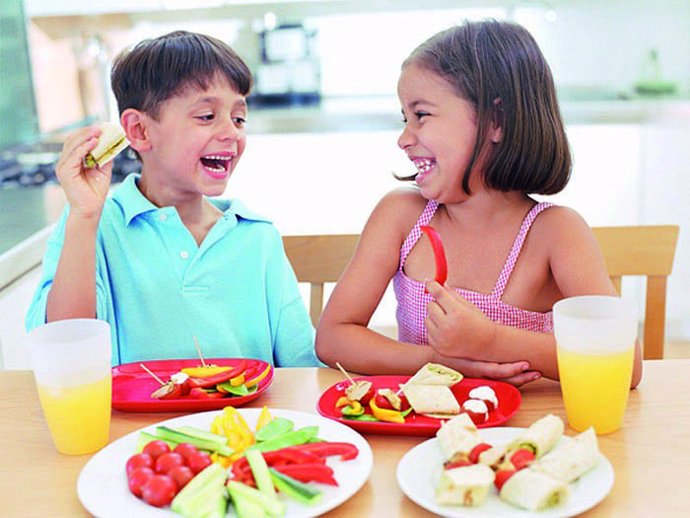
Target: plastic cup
(71,363)
(595,343)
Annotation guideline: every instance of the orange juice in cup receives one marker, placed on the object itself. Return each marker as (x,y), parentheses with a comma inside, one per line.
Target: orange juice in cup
(595,342)
(91,402)
(71,363)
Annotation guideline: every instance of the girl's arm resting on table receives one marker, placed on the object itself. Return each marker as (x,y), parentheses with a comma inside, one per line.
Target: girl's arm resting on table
(343,335)
(73,292)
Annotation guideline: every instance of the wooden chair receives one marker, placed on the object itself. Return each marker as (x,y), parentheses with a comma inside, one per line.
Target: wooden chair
(643,251)
(635,250)
(319,259)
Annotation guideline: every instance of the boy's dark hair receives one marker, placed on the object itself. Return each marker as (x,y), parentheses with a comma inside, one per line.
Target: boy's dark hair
(160,68)
(498,67)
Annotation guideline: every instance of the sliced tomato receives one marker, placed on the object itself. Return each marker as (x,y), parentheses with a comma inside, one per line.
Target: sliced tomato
(502,475)
(477,450)
(522,458)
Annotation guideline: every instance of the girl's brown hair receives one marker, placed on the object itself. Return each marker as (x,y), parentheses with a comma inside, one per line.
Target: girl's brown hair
(498,67)
(160,68)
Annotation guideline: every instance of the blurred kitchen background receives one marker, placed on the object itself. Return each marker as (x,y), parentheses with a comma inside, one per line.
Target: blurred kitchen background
(324,117)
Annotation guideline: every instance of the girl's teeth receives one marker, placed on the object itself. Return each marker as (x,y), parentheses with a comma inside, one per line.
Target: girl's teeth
(423,165)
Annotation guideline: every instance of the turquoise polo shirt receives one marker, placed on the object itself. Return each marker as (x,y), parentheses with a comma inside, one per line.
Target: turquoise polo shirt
(158,289)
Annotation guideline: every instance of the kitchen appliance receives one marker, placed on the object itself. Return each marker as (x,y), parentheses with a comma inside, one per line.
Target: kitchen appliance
(290,70)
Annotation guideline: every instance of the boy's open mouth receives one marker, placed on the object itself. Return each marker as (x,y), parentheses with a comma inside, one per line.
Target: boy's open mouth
(216,163)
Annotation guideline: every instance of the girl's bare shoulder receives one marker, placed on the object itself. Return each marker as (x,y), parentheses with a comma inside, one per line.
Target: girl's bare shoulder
(400,207)
(559,221)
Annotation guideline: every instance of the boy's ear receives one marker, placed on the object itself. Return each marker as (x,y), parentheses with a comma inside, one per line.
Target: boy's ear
(497,119)
(134,123)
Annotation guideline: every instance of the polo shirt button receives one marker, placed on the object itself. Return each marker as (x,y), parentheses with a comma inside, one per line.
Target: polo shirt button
(184,254)
(162,216)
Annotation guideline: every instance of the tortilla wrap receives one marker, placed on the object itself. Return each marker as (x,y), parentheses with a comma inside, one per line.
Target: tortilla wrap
(111,142)
(435,374)
(468,485)
(572,459)
(458,436)
(432,399)
(533,490)
(540,437)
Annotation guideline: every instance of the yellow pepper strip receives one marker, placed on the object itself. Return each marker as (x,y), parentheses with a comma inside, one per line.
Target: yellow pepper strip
(232,425)
(237,380)
(264,418)
(226,462)
(383,414)
(204,372)
(258,379)
(344,401)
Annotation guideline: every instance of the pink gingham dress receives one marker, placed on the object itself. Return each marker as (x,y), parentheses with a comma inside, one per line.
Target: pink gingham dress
(413,300)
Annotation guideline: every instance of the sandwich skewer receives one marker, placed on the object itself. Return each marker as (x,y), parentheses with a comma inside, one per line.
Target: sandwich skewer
(358,390)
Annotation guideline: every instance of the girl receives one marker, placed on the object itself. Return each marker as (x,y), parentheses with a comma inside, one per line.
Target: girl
(483,129)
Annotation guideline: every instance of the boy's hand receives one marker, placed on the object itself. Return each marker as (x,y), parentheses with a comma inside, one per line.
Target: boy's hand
(452,320)
(86,188)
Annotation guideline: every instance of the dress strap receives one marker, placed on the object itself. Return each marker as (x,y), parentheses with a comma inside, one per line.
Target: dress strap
(414,234)
(504,277)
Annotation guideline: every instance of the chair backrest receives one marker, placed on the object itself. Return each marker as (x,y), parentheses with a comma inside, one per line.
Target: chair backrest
(319,259)
(643,251)
(635,250)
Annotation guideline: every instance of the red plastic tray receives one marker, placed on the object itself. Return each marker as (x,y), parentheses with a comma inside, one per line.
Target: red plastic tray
(132,386)
(509,399)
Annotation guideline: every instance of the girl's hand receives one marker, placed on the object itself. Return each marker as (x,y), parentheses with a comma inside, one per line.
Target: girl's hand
(515,373)
(86,188)
(455,327)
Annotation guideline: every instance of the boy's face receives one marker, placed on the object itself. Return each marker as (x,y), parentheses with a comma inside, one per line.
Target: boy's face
(196,142)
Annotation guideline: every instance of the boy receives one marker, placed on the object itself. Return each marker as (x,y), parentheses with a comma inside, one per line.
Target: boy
(159,260)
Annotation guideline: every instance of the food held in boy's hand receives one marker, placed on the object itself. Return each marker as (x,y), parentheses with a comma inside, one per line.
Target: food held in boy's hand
(111,142)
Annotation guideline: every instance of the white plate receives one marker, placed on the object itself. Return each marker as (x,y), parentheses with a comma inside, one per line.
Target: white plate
(420,470)
(102,485)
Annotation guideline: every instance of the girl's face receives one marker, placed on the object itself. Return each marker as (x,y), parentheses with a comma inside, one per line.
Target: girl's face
(439,135)
(196,143)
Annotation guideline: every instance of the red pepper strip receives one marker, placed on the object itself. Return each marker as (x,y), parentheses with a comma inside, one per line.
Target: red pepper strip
(309,473)
(285,455)
(346,450)
(199,393)
(439,253)
(212,381)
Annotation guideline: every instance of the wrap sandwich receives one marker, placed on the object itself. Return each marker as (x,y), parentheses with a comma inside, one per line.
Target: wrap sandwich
(435,374)
(111,142)
(468,485)
(540,437)
(432,400)
(572,459)
(533,490)
(458,436)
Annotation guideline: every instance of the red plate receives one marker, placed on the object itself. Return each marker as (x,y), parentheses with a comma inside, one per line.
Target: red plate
(508,396)
(132,386)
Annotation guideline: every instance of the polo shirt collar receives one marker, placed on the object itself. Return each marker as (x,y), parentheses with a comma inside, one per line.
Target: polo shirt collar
(133,203)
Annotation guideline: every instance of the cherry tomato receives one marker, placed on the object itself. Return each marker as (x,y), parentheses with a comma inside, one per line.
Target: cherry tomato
(457,463)
(404,403)
(140,460)
(522,458)
(382,402)
(367,396)
(168,461)
(156,449)
(477,450)
(185,449)
(137,478)
(159,490)
(181,475)
(198,461)
(502,475)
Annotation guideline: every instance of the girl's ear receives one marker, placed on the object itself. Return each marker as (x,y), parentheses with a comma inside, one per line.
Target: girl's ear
(134,123)
(497,119)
